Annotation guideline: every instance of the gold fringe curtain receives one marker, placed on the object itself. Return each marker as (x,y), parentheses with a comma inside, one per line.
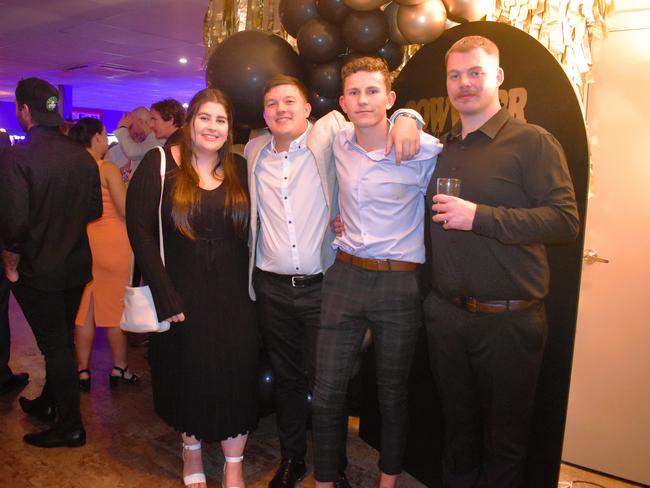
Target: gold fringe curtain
(565,27)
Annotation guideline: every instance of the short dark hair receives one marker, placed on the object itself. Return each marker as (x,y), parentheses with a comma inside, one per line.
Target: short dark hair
(279,80)
(170,109)
(42,98)
(84,130)
(366,63)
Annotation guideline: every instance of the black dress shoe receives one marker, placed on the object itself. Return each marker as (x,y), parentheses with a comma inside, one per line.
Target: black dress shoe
(288,474)
(38,409)
(15,382)
(342,482)
(57,437)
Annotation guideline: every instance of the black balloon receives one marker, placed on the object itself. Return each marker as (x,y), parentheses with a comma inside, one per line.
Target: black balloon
(242,64)
(294,13)
(319,41)
(365,32)
(332,10)
(325,79)
(393,54)
(322,105)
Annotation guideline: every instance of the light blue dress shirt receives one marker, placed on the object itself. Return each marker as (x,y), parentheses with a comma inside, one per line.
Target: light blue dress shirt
(382,203)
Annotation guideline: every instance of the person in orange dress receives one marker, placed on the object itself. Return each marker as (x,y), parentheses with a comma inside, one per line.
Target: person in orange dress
(102,300)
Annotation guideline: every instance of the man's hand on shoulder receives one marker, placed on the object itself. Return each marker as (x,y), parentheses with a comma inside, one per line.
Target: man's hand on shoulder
(125,121)
(453,212)
(404,136)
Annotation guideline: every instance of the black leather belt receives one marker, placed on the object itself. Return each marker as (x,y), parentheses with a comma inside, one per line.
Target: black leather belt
(296,281)
(492,306)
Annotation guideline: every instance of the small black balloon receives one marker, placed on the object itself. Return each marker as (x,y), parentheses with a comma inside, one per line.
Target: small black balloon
(266,383)
(242,64)
(322,105)
(393,54)
(294,13)
(325,79)
(319,41)
(365,32)
(332,10)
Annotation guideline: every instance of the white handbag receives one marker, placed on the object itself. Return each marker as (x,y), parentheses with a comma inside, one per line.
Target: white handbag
(139,314)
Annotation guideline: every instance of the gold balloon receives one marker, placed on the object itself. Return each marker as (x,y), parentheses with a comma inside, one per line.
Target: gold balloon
(468,10)
(391,15)
(364,5)
(422,23)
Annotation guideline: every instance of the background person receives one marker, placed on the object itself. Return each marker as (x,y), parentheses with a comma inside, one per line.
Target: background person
(49,191)
(167,118)
(102,300)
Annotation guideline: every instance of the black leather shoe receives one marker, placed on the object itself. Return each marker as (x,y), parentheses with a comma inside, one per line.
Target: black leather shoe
(15,382)
(57,437)
(288,474)
(37,408)
(342,482)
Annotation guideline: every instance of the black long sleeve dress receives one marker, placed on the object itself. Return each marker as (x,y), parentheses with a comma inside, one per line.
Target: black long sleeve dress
(203,370)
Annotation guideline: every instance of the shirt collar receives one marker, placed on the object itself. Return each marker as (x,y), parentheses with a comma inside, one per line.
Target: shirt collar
(299,143)
(351,142)
(491,128)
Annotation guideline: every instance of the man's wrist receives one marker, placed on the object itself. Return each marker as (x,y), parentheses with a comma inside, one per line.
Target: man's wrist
(407,114)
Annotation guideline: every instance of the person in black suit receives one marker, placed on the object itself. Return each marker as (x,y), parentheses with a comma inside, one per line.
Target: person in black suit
(49,191)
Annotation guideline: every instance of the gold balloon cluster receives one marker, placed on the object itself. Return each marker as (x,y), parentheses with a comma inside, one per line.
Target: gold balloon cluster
(423,21)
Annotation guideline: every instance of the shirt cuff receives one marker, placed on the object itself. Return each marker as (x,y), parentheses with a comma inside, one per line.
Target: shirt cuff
(418,118)
(484,223)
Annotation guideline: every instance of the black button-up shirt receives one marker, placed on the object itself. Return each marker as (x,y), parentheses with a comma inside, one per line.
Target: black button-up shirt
(517,175)
(49,191)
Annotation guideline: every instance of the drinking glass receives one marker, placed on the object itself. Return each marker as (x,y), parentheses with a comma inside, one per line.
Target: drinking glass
(448,186)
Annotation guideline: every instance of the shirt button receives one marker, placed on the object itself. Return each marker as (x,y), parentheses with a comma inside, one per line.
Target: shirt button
(293,245)
(285,198)
(297,268)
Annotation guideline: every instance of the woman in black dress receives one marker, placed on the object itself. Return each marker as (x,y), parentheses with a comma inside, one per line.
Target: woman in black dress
(204,369)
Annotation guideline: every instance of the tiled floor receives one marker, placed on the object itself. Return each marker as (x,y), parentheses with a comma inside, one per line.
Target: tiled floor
(129,447)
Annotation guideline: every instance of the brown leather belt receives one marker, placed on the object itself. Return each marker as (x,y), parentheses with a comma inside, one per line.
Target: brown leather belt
(492,306)
(375,264)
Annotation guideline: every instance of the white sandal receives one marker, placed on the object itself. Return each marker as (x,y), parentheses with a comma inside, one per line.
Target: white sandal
(193,478)
(229,459)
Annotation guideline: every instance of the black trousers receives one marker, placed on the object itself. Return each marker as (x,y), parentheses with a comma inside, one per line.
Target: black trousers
(51,316)
(486,368)
(288,318)
(353,298)
(5,332)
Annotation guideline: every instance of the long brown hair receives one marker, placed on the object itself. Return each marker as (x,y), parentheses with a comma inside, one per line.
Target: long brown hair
(186,193)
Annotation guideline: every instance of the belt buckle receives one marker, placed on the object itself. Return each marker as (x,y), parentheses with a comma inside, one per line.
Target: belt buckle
(295,284)
(471,304)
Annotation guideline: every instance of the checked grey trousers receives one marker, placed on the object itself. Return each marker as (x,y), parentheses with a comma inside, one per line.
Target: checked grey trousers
(353,299)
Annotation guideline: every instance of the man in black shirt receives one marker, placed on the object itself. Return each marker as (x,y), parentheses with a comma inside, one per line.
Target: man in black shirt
(49,191)
(485,316)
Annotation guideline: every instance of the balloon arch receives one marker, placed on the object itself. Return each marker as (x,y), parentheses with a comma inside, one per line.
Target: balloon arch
(326,33)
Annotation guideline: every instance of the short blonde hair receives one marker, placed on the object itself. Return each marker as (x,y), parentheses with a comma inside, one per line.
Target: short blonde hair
(366,63)
(469,43)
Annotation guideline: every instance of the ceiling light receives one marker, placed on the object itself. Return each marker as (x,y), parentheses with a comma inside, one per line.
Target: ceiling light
(182,60)
(186,105)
